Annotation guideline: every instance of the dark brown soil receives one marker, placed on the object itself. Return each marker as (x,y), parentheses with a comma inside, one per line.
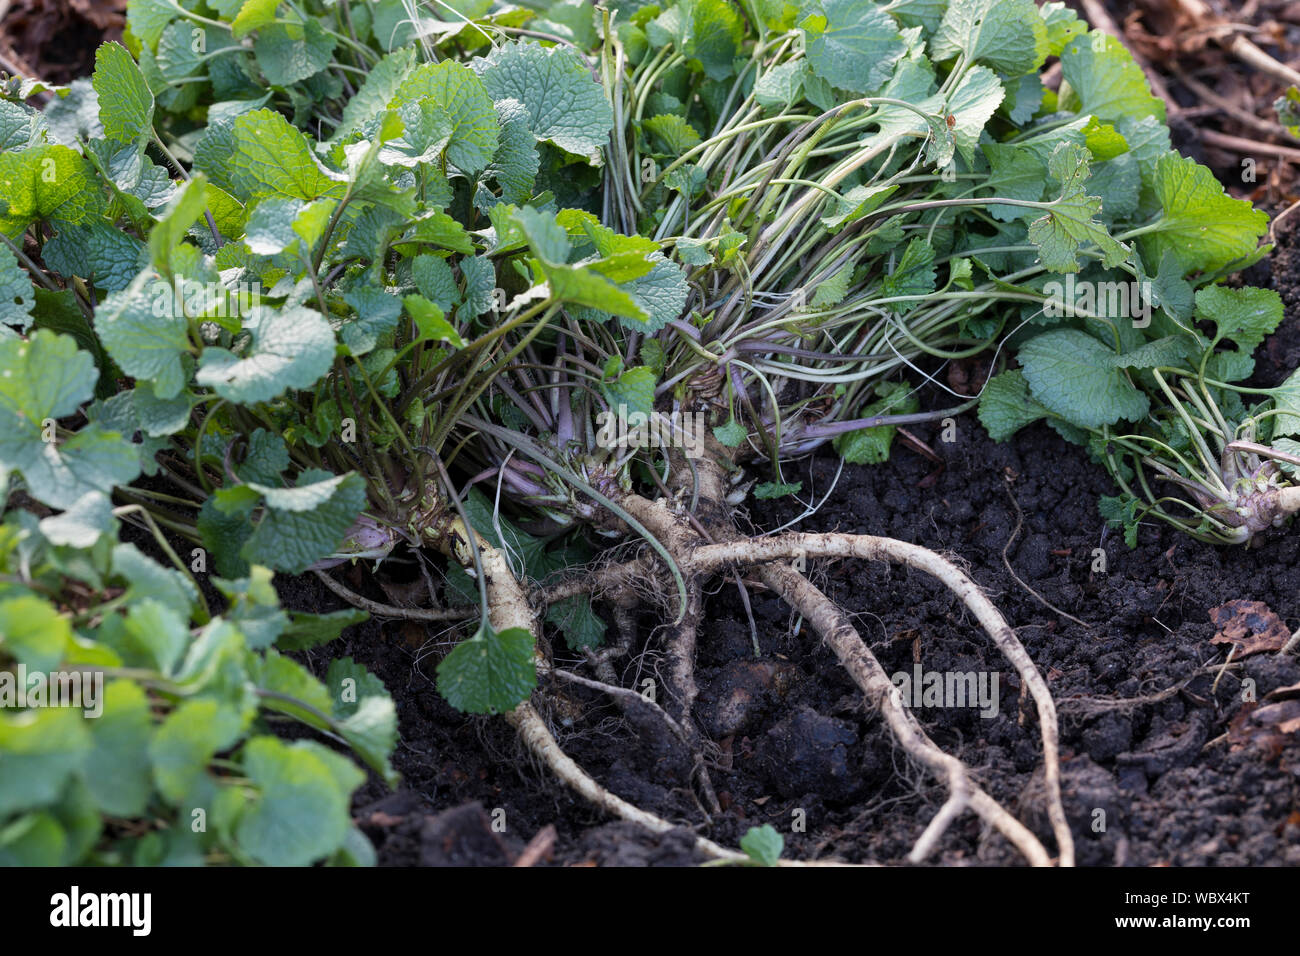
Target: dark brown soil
(55,40)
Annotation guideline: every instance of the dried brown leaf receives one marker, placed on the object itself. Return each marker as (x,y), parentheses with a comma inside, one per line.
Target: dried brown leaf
(1250,625)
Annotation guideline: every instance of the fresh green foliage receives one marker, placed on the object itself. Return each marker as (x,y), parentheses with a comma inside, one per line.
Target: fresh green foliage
(862,185)
(135,728)
(1166,407)
(490,672)
(297,326)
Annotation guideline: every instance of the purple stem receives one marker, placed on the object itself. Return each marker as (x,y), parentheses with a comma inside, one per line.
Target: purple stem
(517,483)
(737,379)
(521,485)
(528,466)
(685,327)
(802,447)
(565,429)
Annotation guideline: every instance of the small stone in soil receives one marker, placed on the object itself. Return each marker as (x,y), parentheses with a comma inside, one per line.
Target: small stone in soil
(810,753)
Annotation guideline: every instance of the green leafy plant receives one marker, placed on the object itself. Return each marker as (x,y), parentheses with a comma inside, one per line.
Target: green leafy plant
(279,343)
(817,168)
(138,728)
(303,325)
(1165,416)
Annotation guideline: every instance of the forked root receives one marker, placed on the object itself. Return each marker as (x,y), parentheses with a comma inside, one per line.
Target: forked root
(843,637)
(697,559)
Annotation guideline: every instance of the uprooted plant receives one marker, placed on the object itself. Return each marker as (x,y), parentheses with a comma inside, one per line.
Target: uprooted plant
(724,369)
(559,459)
(1195,454)
(785,198)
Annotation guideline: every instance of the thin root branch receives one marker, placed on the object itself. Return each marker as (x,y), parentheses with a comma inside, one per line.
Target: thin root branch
(624,696)
(950,811)
(539,740)
(611,577)
(392,611)
(1015,533)
(842,637)
(830,619)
